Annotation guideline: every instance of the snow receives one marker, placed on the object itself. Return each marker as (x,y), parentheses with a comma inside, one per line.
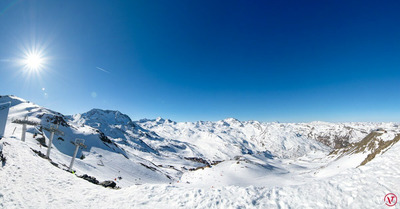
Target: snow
(387,136)
(29,181)
(222,164)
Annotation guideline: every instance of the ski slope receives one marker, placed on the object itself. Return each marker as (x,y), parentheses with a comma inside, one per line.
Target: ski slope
(222,164)
(29,181)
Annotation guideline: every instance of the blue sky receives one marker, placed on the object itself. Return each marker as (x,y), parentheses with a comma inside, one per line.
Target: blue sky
(288,61)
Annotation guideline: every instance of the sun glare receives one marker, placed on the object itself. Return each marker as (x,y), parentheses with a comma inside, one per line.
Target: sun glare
(34,61)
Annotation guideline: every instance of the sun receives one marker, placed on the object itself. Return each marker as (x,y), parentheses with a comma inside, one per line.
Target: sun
(33,61)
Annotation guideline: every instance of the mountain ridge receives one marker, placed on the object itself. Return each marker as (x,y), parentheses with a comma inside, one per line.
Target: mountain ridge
(168,150)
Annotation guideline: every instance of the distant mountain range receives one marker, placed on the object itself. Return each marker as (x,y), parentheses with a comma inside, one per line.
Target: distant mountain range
(164,151)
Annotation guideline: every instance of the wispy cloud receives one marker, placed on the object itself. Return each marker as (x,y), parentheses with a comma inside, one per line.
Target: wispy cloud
(106,71)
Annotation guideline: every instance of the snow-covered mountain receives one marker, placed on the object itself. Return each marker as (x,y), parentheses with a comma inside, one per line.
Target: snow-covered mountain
(228,154)
(102,157)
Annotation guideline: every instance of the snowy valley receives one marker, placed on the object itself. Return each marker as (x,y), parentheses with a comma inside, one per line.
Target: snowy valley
(222,164)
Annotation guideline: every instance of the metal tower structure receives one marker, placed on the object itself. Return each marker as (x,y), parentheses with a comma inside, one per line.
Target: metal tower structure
(53,130)
(78,143)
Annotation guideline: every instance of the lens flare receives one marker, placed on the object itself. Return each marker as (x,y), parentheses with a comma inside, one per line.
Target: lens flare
(33,61)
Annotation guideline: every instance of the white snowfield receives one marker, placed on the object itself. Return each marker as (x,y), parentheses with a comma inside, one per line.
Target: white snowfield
(223,164)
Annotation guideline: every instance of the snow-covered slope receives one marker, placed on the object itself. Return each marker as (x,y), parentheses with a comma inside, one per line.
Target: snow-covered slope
(205,164)
(27,181)
(102,157)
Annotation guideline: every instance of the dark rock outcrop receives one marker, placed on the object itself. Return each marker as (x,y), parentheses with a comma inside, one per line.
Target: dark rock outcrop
(89,178)
(108,184)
